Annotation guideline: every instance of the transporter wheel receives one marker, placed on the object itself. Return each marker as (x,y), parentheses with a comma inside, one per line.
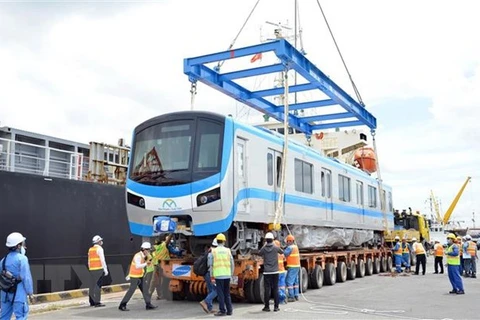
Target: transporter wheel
(369,267)
(341,271)
(248,289)
(330,274)
(389,263)
(376,265)
(352,271)
(316,278)
(383,264)
(303,279)
(360,268)
(259,289)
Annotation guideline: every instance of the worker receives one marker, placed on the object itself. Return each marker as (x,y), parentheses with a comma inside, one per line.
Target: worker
(149,271)
(16,265)
(269,253)
(471,248)
(467,258)
(98,269)
(135,276)
(282,274)
(460,246)
(398,254)
(406,249)
(292,254)
(207,303)
(453,263)
(220,262)
(162,250)
(438,252)
(421,256)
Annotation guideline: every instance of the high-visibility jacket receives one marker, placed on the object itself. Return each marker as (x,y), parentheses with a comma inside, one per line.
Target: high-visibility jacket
(438,250)
(418,247)
(134,272)
(94,262)
(293,260)
(472,249)
(460,246)
(405,248)
(151,266)
(399,251)
(221,262)
(161,253)
(281,263)
(452,260)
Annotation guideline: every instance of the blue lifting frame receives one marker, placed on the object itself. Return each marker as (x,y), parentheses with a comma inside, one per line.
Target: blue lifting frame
(292,59)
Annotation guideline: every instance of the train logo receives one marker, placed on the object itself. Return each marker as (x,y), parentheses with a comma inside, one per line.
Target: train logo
(170,205)
(179,270)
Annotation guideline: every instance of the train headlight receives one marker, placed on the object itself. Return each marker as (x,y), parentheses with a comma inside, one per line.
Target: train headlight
(208,197)
(135,200)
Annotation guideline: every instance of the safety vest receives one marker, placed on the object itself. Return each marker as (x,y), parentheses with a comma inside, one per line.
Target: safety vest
(281,264)
(438,250)
(471,249)
(222,266)
(452,260)
(460,247)
(161,253)
(151,266)
(399,251)
(405,248)
(94,262)
(418,247)
(293,260)
(134,272)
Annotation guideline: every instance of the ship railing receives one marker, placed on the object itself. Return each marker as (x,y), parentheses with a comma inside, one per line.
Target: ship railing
(17,156)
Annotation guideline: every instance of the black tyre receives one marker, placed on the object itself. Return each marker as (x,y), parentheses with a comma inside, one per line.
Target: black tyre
(259,289)
(352,271)
(341,271)
(316,278)
(330,274)
(376,265)
(369,267)
(303,279)
(360,268)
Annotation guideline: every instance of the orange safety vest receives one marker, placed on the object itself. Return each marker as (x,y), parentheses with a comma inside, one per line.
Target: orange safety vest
(293,260)
(94,262)
(471,248)
(438,250)
(405,248)
(281,264)
(134,272)
(399,252)
(419,248)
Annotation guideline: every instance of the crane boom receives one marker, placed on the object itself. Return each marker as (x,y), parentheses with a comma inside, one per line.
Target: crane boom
(435,205)
(448,213)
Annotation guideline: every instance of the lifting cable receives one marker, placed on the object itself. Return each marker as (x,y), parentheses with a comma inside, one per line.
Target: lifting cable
(357,93)
(383,200)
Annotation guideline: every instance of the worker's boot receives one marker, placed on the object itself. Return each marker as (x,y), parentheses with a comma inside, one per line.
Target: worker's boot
(123,307)
(150,306)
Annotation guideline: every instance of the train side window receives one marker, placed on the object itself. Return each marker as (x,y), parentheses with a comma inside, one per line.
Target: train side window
(303,176)
(344,193)
(270,169)
(390,202)
(328,183)
(279,171)
(383,201)
(372,197)
(360,192)
(322,181)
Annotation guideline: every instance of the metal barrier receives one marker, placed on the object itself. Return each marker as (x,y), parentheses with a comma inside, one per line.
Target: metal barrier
(17,156)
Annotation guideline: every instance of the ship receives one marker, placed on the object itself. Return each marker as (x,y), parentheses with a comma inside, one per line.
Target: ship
(59,194)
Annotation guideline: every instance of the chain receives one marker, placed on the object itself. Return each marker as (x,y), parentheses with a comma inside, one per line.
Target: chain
(193,92)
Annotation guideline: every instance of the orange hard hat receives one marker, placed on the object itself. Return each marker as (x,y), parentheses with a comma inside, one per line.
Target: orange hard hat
(290,238)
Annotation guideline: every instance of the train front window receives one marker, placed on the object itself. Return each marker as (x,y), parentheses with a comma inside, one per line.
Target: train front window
(162,149)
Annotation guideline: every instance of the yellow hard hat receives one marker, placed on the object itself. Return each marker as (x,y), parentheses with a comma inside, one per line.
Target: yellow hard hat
(451,236)
(221,237)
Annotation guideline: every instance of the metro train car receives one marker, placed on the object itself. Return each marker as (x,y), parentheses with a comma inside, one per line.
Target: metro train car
(210,173)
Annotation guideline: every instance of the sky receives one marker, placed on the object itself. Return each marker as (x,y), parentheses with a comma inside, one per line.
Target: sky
(92,71)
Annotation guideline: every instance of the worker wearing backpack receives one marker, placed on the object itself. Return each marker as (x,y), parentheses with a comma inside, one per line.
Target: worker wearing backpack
(202,267)
(15,265)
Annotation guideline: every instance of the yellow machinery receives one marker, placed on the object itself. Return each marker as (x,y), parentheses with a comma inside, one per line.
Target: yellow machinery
(450,209)
(409,225)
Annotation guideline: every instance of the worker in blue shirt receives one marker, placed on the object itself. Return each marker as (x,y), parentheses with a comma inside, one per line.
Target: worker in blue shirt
(16,263)
(406,254)
(398,254)
(453,262)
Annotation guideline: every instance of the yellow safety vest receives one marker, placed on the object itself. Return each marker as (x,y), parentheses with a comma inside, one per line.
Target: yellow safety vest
(134,272)
(419,248)
(151,266)
(399,252)
(94,262)
(221,262)
(405,248)
(471,248)
(161,253)
(452,260)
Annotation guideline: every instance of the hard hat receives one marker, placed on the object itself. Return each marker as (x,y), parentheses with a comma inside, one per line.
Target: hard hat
(290,238)
(277,243)
(146,245)
(451,236)
(414,239)
(221,237)
(459,238)
(96,239)
(397,238)
(215,243)
(14,238)
(269,235)
(468,237)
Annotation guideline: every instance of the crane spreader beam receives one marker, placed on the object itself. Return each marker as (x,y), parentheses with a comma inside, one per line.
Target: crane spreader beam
(355,114)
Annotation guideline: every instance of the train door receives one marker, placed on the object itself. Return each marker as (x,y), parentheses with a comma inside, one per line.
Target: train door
(326,182)
(274,178)
(241,175)
(360,200)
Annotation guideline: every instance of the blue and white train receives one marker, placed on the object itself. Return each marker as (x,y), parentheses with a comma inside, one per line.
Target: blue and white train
(214,174)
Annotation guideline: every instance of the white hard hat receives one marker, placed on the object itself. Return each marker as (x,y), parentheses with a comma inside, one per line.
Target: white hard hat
(468,237)
(269,235)
(146,245)
(414,239)
(215,243)
(96,239)
(397,238)
(14,238)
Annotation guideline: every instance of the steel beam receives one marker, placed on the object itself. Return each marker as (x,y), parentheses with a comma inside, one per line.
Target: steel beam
(327,117)
(337,125)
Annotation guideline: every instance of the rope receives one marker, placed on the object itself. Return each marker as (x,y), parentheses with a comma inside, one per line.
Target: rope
(220,63)
(357,93)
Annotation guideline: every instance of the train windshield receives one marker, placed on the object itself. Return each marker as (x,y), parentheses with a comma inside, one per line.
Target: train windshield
(177,152)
